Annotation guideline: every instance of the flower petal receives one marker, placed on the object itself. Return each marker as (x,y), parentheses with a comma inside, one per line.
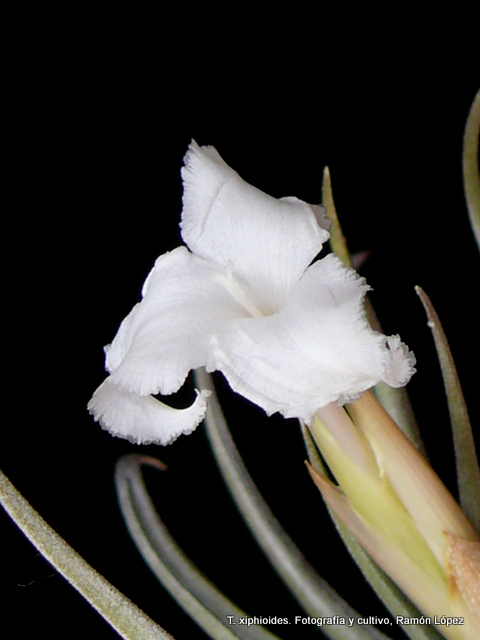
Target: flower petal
(168,333)
(267,242)
(143,419)
(401,363)
(318,349)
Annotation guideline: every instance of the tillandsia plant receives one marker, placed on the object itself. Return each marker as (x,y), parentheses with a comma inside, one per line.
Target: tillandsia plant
(292,336)
(291,330)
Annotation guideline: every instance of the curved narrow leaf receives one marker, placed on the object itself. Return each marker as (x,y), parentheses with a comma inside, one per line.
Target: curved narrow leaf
(190,588)
(125,617)
(314,594)
(468,472)
(471,177)
(392,597)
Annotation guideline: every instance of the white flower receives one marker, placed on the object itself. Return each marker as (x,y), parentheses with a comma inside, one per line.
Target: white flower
(246,300)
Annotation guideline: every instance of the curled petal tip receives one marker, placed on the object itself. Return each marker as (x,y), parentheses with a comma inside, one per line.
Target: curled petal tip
(401,366)
(144,419)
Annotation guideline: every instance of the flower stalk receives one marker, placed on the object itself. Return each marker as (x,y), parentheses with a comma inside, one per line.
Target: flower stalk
(401,513)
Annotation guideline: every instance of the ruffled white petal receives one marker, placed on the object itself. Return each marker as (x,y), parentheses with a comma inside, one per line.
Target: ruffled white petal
(168,333)
(267,242)
(316,350)
(143,419)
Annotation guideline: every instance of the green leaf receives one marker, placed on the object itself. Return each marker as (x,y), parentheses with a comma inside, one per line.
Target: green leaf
(468,473)
(185,583)
(125,617)
(471,177)
(395,401)
(337,239)
(312,592)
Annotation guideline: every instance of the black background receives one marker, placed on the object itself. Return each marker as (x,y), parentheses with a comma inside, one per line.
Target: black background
(97,128)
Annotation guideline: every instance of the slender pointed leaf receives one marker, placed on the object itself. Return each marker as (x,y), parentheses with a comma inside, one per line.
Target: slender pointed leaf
(125,617)
(468,472)
(471,177)
(190,588)
(392,597)
(311,591)
(395,401)
(337,239)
